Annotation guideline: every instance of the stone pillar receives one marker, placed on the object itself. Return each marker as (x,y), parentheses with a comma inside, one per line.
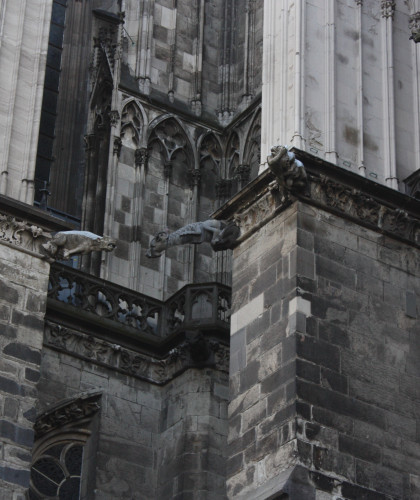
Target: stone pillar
(23,297)
(324,339)
(24,29)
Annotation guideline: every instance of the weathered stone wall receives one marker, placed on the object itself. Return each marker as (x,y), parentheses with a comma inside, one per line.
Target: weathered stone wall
(152,441)
(357,369)
(23,289)
(127,437)
(341,81)
(262,439)
(22,304)
(323,348)
(192,450)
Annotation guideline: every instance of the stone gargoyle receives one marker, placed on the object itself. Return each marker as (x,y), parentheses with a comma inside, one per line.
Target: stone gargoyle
(220,234)
(67,243)
(289,171)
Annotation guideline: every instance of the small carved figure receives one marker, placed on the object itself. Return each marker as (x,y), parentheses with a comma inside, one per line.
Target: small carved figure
(289,171)
(67,243)
(211,231)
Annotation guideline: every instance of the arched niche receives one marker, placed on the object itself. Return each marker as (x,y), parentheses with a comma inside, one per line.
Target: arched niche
(231,184)
(169,145)
(210,154)
(132,124)
(252,152)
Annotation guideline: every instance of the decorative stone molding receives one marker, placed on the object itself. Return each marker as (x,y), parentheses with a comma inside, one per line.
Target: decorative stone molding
(259,213)
(334,190)
(414,26)
(388,8)
(114,117)
(195,177)
(358,205)
(157,371)
(67,412)
(117,146)
(20,233)
(141,157)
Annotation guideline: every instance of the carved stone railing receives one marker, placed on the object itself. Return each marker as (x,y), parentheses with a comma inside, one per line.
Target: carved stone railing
(205,305)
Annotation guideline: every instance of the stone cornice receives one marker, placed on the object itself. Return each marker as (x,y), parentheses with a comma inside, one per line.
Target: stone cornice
(32,215)
(25,227)
(330,188)
(195,351)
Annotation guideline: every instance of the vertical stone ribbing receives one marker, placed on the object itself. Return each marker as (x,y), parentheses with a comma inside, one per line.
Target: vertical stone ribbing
(144,55)
(330,82)
(415,49)
(359,99)
(388,8)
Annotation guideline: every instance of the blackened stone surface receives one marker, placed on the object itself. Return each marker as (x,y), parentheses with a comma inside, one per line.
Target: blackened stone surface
(353,373)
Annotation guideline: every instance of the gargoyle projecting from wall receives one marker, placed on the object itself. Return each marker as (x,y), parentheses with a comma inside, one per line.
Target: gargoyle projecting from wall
(67,243)
(289,171)
(220,234)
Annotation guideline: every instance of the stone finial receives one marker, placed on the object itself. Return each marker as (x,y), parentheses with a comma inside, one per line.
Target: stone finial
(414,26)
(67,243)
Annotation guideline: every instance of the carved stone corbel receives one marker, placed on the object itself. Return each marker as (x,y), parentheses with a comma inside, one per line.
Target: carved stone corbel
(141,157)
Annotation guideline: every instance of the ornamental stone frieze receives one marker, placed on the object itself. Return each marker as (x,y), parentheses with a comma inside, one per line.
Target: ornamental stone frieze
(67,413)
(326,186)
(195,351)
(20,233)
(141,156)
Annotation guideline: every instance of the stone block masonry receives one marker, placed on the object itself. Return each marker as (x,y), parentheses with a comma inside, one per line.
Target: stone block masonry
(23,291)
(22,278)
(324,345)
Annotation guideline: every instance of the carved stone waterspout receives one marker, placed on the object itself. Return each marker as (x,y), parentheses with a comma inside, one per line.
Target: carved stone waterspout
(289,171)
(220,234)
(67,243)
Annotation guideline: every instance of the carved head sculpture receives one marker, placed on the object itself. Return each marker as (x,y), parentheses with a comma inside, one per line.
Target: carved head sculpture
(106,243)
(277,154)
(64,244)
(158,245)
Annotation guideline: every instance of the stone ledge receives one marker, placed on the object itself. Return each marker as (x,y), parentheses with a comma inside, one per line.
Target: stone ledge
(333,189)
